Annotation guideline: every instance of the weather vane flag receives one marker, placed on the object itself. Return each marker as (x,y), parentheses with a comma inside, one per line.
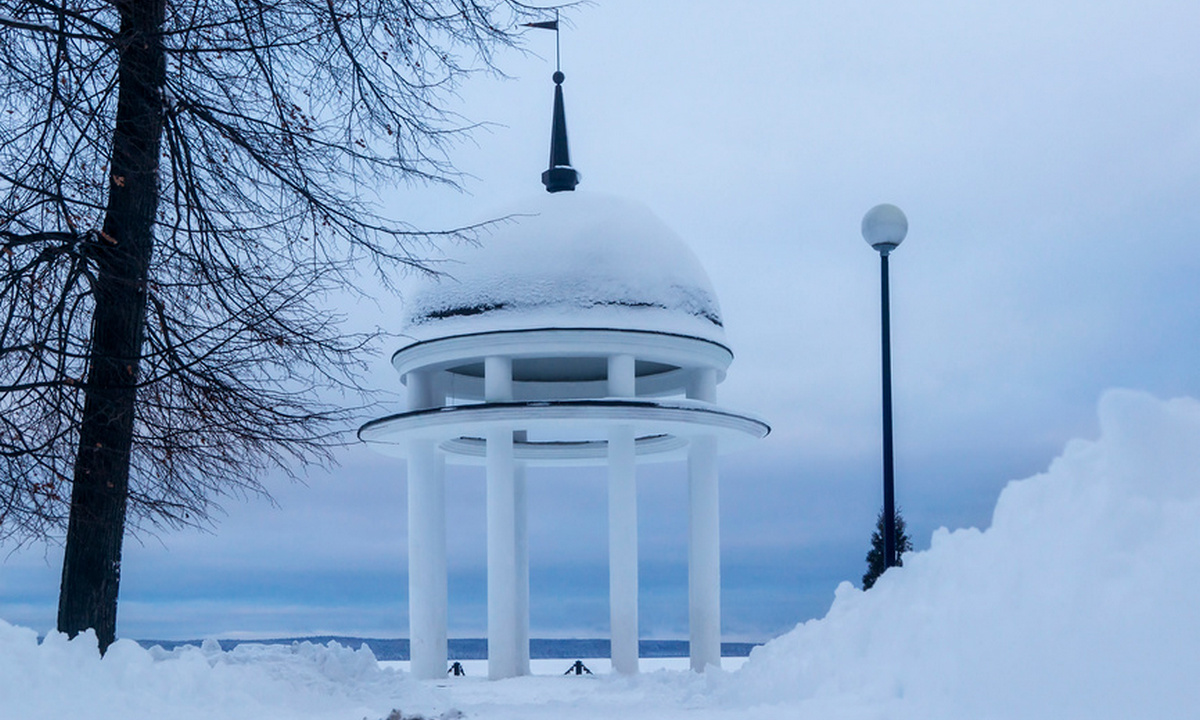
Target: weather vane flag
(550,25)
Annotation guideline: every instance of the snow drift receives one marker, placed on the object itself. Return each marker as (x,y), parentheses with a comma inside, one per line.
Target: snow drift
(58,678)
(1078,602)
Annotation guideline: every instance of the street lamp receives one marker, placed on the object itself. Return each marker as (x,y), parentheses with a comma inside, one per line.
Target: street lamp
(884,227)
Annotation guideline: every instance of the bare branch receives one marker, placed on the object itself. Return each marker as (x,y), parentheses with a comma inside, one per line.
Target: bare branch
(278,119)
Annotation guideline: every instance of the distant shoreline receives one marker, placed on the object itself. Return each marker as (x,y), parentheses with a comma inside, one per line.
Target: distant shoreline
(476,648)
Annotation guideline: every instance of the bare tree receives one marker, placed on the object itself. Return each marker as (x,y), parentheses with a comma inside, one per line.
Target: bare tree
(182,184)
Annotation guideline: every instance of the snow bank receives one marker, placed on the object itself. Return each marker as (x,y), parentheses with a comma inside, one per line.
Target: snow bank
(1081,600)
(68,679)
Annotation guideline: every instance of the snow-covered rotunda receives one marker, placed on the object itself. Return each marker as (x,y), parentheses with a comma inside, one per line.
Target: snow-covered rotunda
(581,331)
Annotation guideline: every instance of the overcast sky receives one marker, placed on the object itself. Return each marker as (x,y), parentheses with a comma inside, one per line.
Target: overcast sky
(1047,155)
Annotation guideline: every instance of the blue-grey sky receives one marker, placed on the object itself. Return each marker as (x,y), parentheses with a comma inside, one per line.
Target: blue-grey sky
(1048,158)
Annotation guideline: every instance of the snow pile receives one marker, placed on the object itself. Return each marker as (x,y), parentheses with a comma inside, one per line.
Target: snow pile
(573,259)
(68,679)
(1081,600)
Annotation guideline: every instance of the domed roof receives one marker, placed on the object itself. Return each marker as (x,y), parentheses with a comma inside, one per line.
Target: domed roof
(568,260)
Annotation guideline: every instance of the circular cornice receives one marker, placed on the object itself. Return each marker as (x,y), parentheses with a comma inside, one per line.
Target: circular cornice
(663,429)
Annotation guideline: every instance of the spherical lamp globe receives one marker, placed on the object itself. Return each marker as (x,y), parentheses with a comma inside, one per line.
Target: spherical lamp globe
(884,227)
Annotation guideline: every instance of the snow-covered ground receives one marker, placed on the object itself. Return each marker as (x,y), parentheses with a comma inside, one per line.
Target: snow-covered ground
(1080,601)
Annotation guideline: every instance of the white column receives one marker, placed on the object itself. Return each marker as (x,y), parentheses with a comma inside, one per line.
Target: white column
(420,389)
(622,525)
(704,540)
(702,385)
(426,561)
(426,543)
(502,581)
(622,380)
(522,557)
(704,554)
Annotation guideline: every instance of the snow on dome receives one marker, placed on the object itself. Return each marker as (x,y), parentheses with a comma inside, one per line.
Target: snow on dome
(571,259)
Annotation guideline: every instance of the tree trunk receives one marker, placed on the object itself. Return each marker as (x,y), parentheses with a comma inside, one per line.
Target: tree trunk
(92,562)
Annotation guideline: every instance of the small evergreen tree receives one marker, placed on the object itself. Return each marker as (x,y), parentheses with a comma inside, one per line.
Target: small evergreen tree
(875,566)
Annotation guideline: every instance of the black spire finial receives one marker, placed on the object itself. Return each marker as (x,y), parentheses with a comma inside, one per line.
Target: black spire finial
(560,175)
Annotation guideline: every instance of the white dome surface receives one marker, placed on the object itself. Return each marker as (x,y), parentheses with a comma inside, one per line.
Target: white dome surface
(568,260)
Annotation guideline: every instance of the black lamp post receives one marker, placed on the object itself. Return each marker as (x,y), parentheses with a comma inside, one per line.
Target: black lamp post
(884,228)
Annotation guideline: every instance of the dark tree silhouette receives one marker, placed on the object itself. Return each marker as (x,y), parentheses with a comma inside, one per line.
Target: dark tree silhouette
(875,564)
(182,185)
